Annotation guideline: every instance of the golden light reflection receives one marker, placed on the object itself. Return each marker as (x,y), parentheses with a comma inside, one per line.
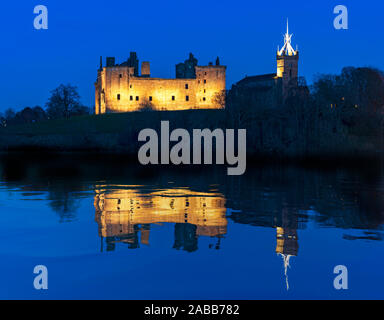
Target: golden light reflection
(125,212)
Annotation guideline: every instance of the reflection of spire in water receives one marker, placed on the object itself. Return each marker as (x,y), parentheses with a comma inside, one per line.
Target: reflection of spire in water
(287,247)
(286,258)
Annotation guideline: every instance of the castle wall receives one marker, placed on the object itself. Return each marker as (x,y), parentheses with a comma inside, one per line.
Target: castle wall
(124,92)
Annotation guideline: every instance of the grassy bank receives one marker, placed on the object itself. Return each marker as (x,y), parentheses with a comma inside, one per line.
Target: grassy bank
(271,136)
(116,133)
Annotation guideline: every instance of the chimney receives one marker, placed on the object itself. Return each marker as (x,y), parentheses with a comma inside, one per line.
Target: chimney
(145,69)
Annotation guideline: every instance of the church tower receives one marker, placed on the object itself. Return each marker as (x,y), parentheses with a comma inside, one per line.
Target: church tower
(288,63)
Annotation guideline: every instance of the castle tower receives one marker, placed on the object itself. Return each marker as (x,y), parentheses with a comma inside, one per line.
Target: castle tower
(288,63)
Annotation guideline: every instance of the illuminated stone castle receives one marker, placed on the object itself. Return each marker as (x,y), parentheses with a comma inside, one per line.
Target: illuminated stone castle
(120,87)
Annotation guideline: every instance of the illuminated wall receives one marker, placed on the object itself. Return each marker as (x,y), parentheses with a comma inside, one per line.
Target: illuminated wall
(119,211)
(118,90)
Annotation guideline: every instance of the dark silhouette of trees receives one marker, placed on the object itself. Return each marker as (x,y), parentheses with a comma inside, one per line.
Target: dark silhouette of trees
(27,115)
(9,114)
(352,101)
(65,102)
(39,113)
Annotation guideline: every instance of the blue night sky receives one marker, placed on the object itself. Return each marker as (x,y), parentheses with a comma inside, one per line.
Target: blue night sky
(245,34)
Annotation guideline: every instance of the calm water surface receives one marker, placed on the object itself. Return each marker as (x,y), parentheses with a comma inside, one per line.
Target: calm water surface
(118,231)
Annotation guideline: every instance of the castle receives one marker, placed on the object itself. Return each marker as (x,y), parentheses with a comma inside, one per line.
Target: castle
(120,88)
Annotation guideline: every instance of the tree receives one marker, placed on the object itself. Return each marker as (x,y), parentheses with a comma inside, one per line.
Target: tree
(146,105)
(25,116)
(39,113)
(220,98)
(3,122)
(80,110)
(9,114)
(64,101)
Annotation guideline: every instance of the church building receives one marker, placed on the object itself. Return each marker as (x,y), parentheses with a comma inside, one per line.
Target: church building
(274,86)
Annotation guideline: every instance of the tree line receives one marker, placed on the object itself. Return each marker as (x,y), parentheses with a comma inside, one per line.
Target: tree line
(64,102)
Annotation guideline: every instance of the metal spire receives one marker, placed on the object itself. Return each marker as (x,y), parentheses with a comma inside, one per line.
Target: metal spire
(287,48)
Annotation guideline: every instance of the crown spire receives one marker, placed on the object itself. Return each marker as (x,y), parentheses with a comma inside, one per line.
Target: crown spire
(287,49)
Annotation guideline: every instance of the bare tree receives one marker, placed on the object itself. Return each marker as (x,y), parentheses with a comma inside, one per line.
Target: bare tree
(219,99)
(146,105)
(64,101)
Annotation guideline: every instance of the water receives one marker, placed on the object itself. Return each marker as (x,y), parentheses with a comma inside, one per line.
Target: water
(112,230)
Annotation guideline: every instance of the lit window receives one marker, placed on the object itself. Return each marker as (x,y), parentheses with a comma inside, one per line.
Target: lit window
(186,98)
(118,96)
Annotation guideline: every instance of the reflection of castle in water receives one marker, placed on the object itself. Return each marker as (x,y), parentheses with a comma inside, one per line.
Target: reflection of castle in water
(126,216)
(125,213)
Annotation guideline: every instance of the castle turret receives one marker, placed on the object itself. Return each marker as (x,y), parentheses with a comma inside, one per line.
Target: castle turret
(186,70)
(133,62)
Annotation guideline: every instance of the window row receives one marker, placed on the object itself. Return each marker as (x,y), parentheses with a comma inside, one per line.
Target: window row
(131,98)
(186,85)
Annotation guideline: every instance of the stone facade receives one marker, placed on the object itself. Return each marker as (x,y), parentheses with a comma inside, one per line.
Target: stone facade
(119,88)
